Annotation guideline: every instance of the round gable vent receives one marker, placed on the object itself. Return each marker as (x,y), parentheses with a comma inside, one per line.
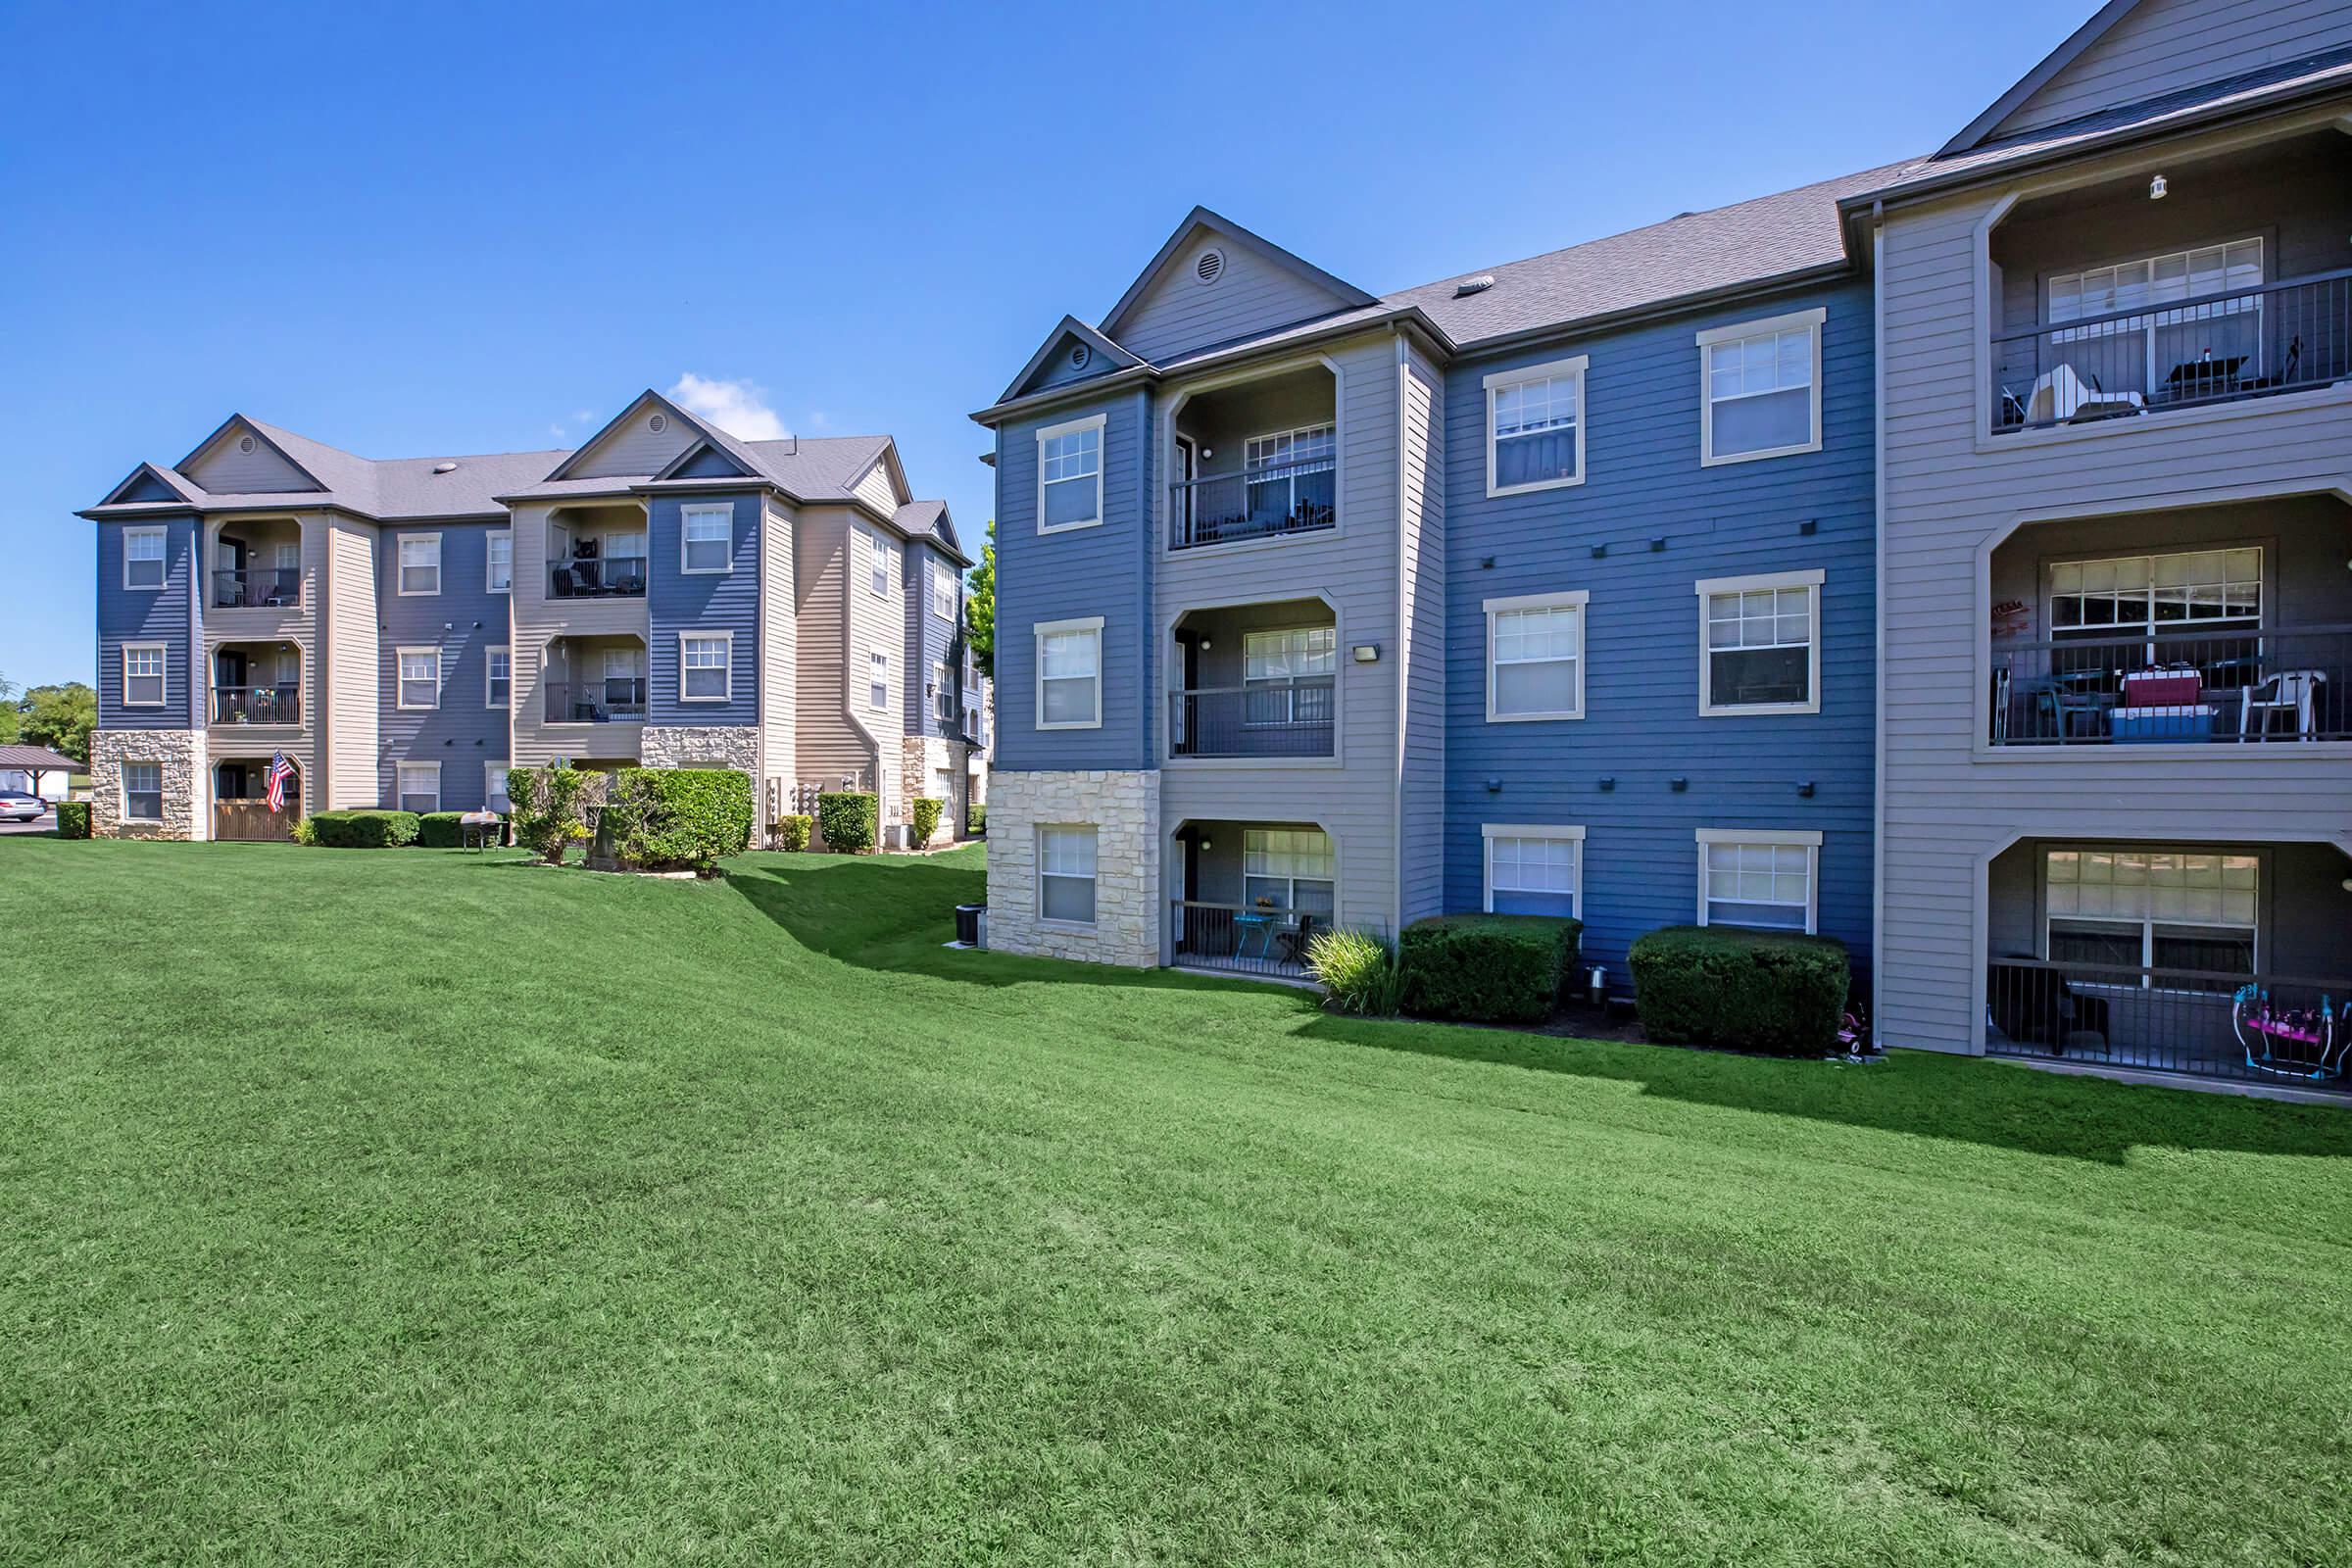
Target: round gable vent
(1079,354)
(657,424)
(1208,266)
(244,443)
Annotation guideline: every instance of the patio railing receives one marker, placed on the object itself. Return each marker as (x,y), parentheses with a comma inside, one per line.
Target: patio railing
(2227,1025)
(258,588)
(1265,719)
(257,704)
(1239,938)
(609,577)
(2171,354)
(615,699)
(1260,502)
(2231,687)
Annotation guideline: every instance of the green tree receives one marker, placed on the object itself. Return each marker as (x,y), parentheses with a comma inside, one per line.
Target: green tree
(59,717)
(980,605)
(11,719)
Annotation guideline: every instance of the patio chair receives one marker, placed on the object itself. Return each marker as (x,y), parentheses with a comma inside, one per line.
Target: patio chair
(2062,711)
(2289,691)
(1294,942)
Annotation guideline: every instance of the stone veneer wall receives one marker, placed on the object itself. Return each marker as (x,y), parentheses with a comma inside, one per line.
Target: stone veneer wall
(921,755)
(735,746)
(182,754)
(1123,807)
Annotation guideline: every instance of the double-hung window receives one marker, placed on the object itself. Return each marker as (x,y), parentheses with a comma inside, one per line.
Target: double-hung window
(1066,874)
(943,592)
(1760,644)
(877,565)
(1757,877)
(706,537)
(704,666)
(943,692)
(1070,673)
(2152,908)
(498,678)
(1287,868)
(143,792)
(494,788)
(419,677)
(1534,427)
(420,555)
(877,678)
(1534,868)
(498,572)
(1070,474)
(1760,391)
(1535,657)
(142,675)
(1289,475)
(416,787)
(143,558)
(1286,675)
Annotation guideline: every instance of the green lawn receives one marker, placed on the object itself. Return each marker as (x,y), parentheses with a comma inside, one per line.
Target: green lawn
(412,1206)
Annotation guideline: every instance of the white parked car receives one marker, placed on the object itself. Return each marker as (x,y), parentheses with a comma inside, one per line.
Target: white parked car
(17,806)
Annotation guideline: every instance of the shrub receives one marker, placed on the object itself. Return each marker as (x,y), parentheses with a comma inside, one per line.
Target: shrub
(305,834)
(975,820)
(441,830)
(847,822)
(1487,969)
(1754,990)
(790,833)
(366,829)
(551,805)
(926,819)
(1358,970)
(677,818)
(73,819)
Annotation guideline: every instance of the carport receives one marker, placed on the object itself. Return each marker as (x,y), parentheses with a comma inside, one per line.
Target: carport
(34,760)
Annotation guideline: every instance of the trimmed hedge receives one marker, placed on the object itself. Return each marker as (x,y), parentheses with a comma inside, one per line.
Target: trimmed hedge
(363,829)
(925,818)
(441,830)
(1487,969)
(677,818)
(790,833)
(1764,991)
(847,822)
(73,819)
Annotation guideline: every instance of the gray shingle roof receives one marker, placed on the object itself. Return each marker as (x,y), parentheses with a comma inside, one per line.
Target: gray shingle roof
(928,520)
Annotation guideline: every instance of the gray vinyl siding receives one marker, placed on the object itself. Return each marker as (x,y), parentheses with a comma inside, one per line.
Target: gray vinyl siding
(1057,371)
(167,615)
(223,470)
(1252,295)
(875,489)
(1948,493)
(1421,589)
(711,603)
(929,640)
(2163,45)
(635,448)
(1104,570)
(465,621)
(1642,727)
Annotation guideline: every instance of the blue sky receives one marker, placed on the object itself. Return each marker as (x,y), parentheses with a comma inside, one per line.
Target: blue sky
(428,228)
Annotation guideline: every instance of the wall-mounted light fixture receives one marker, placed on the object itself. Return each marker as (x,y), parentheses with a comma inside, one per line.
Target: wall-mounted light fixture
(2158,189)
(1494,784)
(1365,653)
(1804,787)
(1677,784)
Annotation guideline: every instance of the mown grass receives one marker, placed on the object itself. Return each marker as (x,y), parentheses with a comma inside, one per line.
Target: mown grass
(423,1207)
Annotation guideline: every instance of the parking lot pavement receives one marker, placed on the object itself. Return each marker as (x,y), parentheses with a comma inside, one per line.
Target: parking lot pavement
(47,824)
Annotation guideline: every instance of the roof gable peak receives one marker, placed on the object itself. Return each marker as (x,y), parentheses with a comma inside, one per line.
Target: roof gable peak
(1202,219)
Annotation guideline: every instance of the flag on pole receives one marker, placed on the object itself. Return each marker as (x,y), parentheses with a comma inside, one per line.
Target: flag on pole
(280,770)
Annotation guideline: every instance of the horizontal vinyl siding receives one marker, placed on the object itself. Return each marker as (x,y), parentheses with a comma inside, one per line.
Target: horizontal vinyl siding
(1642,728)
(149,616)
(2164,45)
(829,747)
(1421,824)
(353,666)
(1252,295)
(225,471)
(875,489)
(463,620)
(929,640)
(635,448)
(779,648)
(703,602)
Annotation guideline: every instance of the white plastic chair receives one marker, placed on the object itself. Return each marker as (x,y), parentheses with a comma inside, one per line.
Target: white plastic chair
(2290,691)
(2061,395)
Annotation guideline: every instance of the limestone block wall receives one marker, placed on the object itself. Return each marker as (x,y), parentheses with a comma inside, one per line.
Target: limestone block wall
(1123,808)
(923,758)
(181,752)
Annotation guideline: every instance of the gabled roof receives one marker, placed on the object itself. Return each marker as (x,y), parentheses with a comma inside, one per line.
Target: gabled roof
(148,478)
(1201,218)
(928,520)
(2033,81)
(1114,357)
(260,432)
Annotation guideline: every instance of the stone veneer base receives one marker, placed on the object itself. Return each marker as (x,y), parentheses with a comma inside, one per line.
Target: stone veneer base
(1123,808)
(735,746)
(920,758)
(182,754)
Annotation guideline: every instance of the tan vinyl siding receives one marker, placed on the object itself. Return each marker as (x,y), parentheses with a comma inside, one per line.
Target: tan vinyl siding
(875,489)
(1421,640)
(1252,295)
(634,448)
(779,645)
(535,619)
(878,623)
(2164,45)
(223,470)
(348,683)
(827,745)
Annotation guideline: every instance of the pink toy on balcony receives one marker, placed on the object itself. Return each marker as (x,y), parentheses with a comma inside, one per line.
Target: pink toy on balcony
(2290,1041)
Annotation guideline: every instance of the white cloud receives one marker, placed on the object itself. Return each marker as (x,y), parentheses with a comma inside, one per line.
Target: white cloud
(582,415)
(556,431)
(736,407)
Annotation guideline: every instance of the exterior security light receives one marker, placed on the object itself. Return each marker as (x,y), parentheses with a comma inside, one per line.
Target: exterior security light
(1365,653)
(2157,189)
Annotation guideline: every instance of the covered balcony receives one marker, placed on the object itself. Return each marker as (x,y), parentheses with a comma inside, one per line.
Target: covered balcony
(2218,960)
(2215,280)
(2214,625)
(1256,460)
(1259,681)
(256,564)
(256,683)
(594,680)
(596,552)
(241,810)
(1250,896)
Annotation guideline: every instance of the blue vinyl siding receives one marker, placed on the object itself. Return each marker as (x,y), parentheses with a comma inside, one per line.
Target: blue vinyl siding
(929,639)
(703,601)
(1641,724)
(465,621)
(148,615)
(1102,570)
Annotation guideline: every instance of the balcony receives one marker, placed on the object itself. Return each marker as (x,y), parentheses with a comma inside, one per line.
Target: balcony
(1261,504)
(613,700)
(597,552)
(1264,718)
(258,588)
(597,577)
(2213,1023)
(1259,681)
(2240,688)
(1251,894)
(1256,460)
(257,704)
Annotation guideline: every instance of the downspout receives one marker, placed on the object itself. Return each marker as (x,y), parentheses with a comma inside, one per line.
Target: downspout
(1877,662)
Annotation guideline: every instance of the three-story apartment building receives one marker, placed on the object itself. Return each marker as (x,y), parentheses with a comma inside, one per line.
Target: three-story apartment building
(404,631)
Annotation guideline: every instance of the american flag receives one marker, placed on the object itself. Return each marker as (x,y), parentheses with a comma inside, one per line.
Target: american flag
(280,770)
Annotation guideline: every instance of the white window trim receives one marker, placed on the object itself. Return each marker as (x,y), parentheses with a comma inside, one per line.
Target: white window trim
(123,790)
(1503,380)
(728,638)
(487,791)
(1810,581)
(398,792)
(507,535)
(877,554)
(942,577)
(1577,599)
(723,509)
(1489,832)
(2149,924)
(1038,634)
(882,654)
(943,692)
(163,560)
(488,701)
(1039,891)
(1092,421)
(162,651)
(1812,320)
(400,588)
(1806,838)
(399,685)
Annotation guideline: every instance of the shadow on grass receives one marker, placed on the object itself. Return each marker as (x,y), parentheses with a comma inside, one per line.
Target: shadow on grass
(892,913)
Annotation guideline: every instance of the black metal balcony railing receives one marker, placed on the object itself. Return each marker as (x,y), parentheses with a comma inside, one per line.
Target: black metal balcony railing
(615,699)
(1264,718)
(257,704)
(2215,348)
(1241,938)
(257,588)
(2251,1026)
(2227,687)
(610,577)
(1290,497)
